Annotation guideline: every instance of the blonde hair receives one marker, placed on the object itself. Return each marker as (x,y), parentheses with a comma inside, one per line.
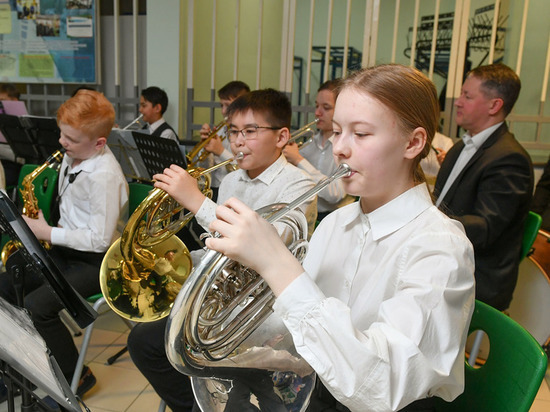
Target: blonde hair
(409,94)
(88,111)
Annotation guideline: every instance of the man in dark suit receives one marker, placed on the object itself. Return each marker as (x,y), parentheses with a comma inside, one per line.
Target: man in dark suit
(486,181)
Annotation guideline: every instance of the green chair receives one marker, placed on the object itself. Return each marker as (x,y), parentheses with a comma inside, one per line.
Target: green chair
(532,226)
(138,192)
(511,376)
(44,189)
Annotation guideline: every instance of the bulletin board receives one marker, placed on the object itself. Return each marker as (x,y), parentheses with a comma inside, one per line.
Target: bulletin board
(48,41)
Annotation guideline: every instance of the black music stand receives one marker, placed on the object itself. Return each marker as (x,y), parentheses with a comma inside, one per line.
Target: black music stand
(20,138)
(158,153)
(45,133)
(30,257)
(122,144)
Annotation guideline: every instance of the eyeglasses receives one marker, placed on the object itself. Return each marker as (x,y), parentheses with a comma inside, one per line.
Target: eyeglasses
(249,132)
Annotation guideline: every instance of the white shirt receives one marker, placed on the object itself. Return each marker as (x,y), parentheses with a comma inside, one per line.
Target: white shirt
(94,207)
(430,165)
(319,163)
(279,183)
(167,133)
(471,145)
(383,308)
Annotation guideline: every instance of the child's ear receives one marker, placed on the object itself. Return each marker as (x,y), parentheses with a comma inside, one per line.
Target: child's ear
(416,142)
(157,108)
(101,142)
(282,137)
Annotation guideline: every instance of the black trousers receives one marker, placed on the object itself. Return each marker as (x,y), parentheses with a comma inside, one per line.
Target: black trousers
(146,348)
(322,401)
(81,269)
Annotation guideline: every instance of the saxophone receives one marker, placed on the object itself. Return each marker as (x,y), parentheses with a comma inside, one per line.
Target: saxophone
(30,202)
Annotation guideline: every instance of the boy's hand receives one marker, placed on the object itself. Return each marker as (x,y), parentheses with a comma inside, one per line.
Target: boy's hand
(205,131)
(292,153)
(41,229)
(251,240)
(181,186)
(215,146)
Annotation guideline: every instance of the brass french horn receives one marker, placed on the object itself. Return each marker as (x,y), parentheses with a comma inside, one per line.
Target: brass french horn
(221,331)
(143,270)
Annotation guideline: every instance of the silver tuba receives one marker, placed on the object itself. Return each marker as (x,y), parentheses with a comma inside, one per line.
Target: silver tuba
(221,330)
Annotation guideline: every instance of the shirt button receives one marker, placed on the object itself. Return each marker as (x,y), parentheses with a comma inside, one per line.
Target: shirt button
(348,284)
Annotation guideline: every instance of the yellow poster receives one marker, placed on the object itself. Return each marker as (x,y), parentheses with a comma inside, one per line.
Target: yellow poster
(5,19)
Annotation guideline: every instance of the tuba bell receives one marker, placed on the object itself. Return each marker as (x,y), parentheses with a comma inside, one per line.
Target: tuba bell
(221,331)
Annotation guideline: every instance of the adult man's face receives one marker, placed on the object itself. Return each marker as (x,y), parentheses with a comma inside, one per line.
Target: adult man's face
(473,107)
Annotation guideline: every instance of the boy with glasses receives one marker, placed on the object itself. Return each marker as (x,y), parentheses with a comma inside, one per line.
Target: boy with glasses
(259,129)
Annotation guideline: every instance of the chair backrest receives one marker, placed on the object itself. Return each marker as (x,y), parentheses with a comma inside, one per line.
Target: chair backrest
(511,376)
(44,187)
(138,192)
(532,226)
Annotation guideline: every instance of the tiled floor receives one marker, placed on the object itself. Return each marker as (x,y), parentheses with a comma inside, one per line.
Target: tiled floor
(120,387)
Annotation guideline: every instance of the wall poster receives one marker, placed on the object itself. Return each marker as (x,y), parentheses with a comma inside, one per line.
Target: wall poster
(48,41)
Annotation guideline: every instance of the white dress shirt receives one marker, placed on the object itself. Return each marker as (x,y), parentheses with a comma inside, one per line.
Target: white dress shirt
(167,133)
(279,183)
(319,163)
(430,165)
(94,207)
(383,308)
(471,145)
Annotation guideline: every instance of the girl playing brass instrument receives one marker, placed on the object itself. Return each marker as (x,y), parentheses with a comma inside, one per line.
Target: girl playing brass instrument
(381,306)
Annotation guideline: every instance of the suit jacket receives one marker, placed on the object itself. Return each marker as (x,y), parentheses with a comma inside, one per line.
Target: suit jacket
(541,198)
(491,198)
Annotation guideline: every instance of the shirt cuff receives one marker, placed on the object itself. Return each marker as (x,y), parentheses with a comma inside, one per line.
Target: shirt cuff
(206,213)
(298,299)
(58,236)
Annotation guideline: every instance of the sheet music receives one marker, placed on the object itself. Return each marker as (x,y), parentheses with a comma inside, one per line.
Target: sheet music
(122,144)
(22,347)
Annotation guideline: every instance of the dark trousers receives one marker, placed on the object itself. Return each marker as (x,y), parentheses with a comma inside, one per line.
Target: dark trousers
(81,269)
(146,347)
(322,401)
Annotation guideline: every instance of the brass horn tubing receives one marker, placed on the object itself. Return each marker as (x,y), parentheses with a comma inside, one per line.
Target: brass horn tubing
(176,226)
(234,302)
(204,285)
(196,150)
(233,333)
(342,170)
(131,230)
(301,131)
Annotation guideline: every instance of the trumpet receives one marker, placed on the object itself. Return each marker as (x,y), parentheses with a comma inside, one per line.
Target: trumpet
(143,270)
(135,121)
(302,131)
(197,153)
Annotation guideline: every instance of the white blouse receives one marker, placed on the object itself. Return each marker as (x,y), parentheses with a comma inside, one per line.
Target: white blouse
(383,308)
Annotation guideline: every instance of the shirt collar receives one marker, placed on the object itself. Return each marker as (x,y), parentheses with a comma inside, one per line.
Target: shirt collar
(480,138)
(318,139)
(395,214)
(154,126)
(269,174)
(87,165)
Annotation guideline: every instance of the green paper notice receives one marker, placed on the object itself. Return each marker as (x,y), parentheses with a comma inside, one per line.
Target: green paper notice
(36,65)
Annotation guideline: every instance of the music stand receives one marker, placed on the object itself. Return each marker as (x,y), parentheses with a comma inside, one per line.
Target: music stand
(19,138)
(45,132)
(122,144)
(158,153)
(23,350)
